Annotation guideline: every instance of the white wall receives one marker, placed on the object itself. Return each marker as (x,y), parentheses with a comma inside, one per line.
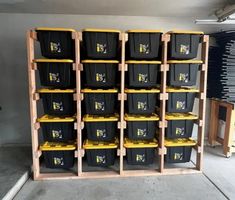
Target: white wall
(14,116)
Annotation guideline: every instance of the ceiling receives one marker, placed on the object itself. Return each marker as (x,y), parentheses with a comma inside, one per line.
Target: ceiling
(160,8)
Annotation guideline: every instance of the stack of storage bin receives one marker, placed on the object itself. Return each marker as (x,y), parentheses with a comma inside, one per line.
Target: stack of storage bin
(100,81)
(58,79)
(181,79)
(142,55)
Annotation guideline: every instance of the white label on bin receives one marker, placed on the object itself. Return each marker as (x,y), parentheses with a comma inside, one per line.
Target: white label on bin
(183,77)
(100,78)
(57,134)
(55,47)
(54,77)
(178,156)
(141,105)
(140,158)
(144,48)
(58,161)
(179,131)
(58,106)
(141,132)
(101,133)
(143,78)
(101,48)
(99,106)
(180,105)
(101,159)
(184,49)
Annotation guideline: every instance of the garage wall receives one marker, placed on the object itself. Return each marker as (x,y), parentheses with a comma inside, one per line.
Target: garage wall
(14,115)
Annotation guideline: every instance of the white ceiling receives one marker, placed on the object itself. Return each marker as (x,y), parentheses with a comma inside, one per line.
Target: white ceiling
(161,8)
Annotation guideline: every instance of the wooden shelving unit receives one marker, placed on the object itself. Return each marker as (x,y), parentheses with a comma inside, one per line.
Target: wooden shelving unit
(79,125)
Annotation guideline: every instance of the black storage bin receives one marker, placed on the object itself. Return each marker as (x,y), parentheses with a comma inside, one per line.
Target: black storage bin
(140,152)
(56,42)
(100,154)
(180,100)
(58,155)
(184,45)
(58,102)
(141,101)
(183,73)
(179,125)
(179,150)
(56,73)
(101,128)
(141,127)
(100,101)
(57,129)
(143,44)
(142,73)
(100,43)
(100,73)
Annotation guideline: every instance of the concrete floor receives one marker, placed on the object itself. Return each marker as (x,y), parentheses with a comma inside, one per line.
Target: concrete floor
(217,182)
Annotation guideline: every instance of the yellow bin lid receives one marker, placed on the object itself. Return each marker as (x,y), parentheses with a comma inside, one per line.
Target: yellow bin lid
(54,29)
(97,118)
(88,144)
(88,90)
(173,89)
(143,62)
(101,30)
(133,117)
(143,31)
(186,32)
(140,143)
(100,61)
(53,61)
(46,90)
(48,118)
(180,142)
(180,116)
(55,146)
(142,91)
(184,61)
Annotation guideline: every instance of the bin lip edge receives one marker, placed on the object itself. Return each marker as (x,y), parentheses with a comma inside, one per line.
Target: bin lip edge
(185,32)
(183,116)
(142,91)
(101,30)
(56,146)
(44,60)
(47,90)
(130,145)
(185,61)
(133,117)
(47,118)
(90,118)
(143,62)
(144,31)
(179,90)
(182,142)
(99,61)
(54,29)
(107,145)
(88,90)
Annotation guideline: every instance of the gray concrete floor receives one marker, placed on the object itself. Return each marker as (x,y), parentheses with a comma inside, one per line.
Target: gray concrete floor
(217,182)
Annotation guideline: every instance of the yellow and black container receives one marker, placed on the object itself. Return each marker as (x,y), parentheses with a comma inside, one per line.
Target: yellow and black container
(58,155)
(141,101)
(101,154)
(179,150)
(100,73)
(58,102)
(142,74)
(183,72)
(184,44)
(100,101)
(143,44)
(140,152)
(56,73)
(141,127)
(101,128)
(180,125)
(180,100)
(56,43)
(57,129)
(100,43)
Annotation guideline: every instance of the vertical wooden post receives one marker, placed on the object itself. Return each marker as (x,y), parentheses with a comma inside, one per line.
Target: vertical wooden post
(77,39)
(122,99)
(33,103)
(163,98)
(202,101)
